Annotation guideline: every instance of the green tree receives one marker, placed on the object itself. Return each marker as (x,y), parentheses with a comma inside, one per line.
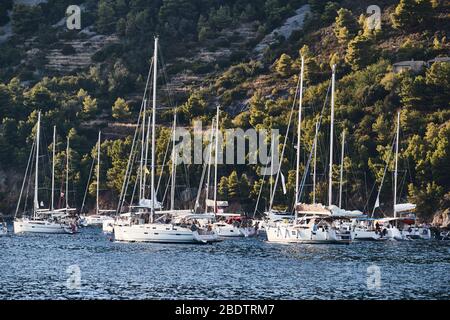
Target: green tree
(220,18)
(222,188)
(233,186)
(89,106)
(360,52)
(120,109)
(244,188)
(346,25)
(283,66)
(26,19)
(412,13)
(118,151)
(106,20)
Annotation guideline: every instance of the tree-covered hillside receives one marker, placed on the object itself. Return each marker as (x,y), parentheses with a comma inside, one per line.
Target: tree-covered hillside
(212,53)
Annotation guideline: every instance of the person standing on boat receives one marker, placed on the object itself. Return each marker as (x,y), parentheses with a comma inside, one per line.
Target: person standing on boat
(377,227)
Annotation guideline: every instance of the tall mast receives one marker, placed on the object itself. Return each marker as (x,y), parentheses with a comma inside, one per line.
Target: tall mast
(143,151)
(209,165)
(174,156)
(330,181)
(271,163)
(52,205)
(67,174)
(342,169)
(315,163)
(396,163)
(98,171)
(145,170)
(297,170)
(216,151)
(36,176)
(155,76)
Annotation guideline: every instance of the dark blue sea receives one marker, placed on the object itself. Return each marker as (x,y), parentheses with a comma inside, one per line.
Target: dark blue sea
(90,266)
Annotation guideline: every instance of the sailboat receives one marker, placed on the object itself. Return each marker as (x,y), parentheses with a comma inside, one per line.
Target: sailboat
(226,224)
(145,224)
(403,225)
(40,220)
(202,223)
(318,223)
(100,217)
(360,224)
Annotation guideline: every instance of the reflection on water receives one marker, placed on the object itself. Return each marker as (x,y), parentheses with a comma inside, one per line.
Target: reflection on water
(34,267)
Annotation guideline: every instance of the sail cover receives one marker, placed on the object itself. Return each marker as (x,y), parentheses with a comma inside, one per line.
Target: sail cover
(404,207)
(147,203)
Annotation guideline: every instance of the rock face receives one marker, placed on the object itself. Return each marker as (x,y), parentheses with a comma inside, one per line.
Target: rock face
(290,25)
(442,219)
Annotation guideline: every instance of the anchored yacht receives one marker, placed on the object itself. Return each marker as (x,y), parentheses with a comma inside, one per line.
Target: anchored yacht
(41,220)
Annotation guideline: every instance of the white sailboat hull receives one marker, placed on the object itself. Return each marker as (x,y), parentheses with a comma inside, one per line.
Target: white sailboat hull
(206,237)
(418,233)
(230,231)
(40,226)
(153,232)
(96,220)
(366,235)
(291,234)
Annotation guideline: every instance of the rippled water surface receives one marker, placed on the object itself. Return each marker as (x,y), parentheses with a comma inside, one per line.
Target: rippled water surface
(36,267)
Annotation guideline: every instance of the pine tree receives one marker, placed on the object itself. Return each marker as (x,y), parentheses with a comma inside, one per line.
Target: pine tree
(244,187)
(120,109)
(89,106)
(222,188)
(360,52)
(233,186)
(412,13)
(346,25)
(284,65)
(105,17)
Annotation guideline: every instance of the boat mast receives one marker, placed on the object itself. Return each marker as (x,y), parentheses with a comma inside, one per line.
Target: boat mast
(330,181)
(36,178)
(98,171)
(143,155)
(174,155)
(209,165)
(145,170)
(67,174)
(396,163)
(52,205)
(271,163)
(342,168)
(315,163)
(155,74)
(297,172)
(216,151)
